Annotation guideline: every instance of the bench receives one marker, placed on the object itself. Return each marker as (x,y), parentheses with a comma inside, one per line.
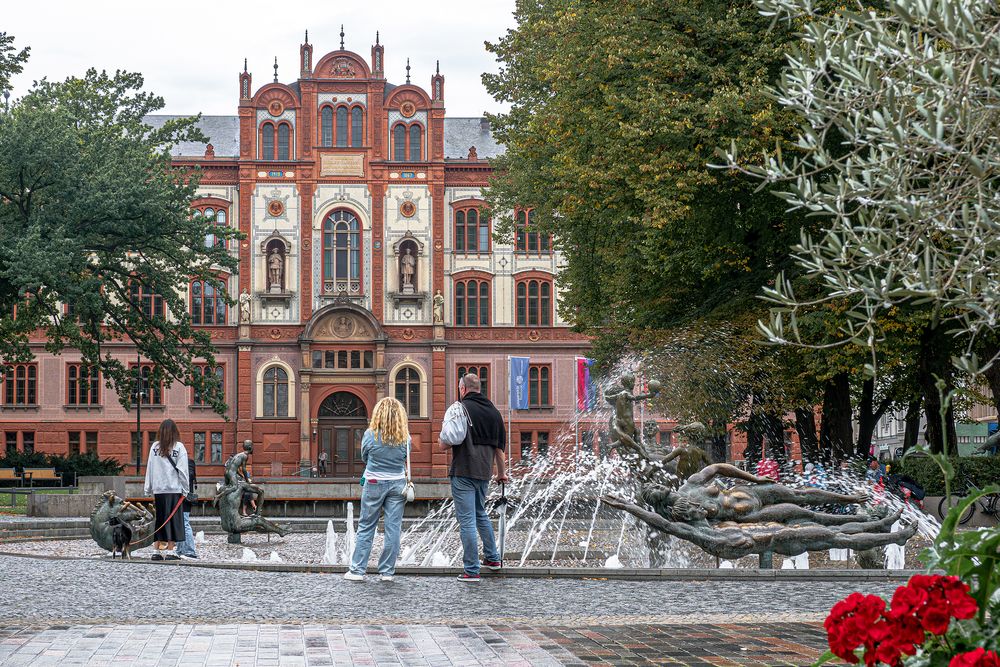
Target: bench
(41,475)
(9,475)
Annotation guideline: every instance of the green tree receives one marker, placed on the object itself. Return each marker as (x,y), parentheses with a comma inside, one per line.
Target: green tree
(616,112)
(11,60)
(91,208)
(897,156)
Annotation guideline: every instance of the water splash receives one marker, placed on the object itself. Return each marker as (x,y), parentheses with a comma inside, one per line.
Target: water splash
(330,554)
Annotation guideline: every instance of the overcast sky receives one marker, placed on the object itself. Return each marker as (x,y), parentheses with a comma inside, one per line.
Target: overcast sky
(191,52)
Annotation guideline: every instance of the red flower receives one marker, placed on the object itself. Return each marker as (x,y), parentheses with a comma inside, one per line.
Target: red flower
(907,599)
(926,603)
(977,658)
(849,623)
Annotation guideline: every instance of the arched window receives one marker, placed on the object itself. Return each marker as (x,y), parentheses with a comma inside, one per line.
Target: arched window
(483,371)
(208,306)
(472,231)
(528,241)
(342,252)
(408,390)
(144,299)
(284,141)
(267,141)
(326,126)
(341,126)
(357,127)
(275,392)
(415,144)
(472,303)
(21,386)
(399,143)
(218,216)
(534,303)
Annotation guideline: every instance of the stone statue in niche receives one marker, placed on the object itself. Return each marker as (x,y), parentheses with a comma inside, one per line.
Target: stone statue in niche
(275,269)
(438,308)
(407,271)
(245,299)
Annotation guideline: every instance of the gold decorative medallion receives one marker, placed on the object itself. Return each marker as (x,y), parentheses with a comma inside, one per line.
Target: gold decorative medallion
(408,209)
(407,109)
(276,108)
(275,207)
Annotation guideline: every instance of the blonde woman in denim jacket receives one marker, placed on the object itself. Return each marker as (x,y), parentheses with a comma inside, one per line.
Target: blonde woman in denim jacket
(383,449)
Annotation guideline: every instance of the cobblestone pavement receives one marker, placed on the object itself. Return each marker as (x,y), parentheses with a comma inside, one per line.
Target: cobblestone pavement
(70,612)
(494,644)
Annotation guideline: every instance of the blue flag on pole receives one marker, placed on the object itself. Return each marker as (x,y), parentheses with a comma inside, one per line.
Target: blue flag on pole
(519,383)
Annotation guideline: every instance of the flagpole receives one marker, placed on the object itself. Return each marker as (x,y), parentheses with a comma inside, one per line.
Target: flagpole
(576,409)
(510,412)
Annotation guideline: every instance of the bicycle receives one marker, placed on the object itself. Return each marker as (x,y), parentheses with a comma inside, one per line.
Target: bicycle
(988,504)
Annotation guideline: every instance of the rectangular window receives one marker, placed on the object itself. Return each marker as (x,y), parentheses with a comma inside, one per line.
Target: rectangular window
(74,442)
(135,446)
(539,385)
(91,439)
(199,446)
(331,359)
(526,446)
(216,447)
(28,442)
(342,359)
(10,439)
(369,358)
(355,359)
(317,360)
(542,438)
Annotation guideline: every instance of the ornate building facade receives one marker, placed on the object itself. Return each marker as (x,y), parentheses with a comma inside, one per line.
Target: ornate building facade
(369,268)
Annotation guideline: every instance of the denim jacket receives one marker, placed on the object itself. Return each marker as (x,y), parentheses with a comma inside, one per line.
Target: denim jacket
(383,461)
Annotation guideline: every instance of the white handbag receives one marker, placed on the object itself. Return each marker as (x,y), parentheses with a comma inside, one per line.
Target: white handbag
(408,492)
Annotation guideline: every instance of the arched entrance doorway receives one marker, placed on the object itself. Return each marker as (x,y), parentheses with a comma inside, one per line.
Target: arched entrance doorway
(342,422)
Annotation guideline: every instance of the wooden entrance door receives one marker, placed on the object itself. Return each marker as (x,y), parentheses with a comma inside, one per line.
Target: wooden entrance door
(342,423)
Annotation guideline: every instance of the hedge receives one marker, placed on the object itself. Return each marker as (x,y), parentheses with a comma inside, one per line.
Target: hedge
(981,470)
(70,467)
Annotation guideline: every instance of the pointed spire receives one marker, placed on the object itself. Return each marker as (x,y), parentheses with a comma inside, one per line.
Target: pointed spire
(341,36)
(376,37)
(276,69)
(437,67)
(307,35)
(244,64)
(407,70)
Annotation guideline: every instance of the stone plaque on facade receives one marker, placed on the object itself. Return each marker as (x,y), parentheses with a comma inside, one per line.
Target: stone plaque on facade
(339,164)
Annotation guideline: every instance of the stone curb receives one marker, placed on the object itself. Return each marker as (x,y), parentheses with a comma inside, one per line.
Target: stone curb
(597,573)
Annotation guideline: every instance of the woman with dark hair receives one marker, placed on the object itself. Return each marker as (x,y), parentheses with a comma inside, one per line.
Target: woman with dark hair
(167,481)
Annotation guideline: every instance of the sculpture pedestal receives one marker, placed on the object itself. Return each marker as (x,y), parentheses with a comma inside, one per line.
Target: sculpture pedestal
(235,538)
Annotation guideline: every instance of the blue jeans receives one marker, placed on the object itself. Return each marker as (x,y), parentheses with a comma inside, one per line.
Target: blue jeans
(377,497)
(470,508)
(186,548)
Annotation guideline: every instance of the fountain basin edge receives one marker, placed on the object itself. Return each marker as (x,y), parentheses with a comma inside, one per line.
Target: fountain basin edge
(626,574)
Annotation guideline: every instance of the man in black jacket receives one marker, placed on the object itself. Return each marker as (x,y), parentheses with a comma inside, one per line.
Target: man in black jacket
(471,468)
(186,548)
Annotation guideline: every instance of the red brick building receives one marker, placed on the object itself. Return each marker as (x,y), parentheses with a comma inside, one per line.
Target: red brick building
(360,201)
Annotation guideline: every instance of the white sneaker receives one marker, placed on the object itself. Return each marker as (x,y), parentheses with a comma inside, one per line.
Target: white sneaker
(350,576)
(385,577)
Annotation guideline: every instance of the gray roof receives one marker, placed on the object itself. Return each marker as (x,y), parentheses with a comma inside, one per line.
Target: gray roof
(223,133)
(462,133)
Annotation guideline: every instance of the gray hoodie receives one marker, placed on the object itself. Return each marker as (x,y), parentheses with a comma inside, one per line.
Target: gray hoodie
(161,476)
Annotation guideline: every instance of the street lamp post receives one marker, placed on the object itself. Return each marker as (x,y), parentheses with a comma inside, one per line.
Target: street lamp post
(139,393)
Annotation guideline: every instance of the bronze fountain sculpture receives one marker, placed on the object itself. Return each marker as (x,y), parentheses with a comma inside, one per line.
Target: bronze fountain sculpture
(229,500)
(755,516)
(140,520)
